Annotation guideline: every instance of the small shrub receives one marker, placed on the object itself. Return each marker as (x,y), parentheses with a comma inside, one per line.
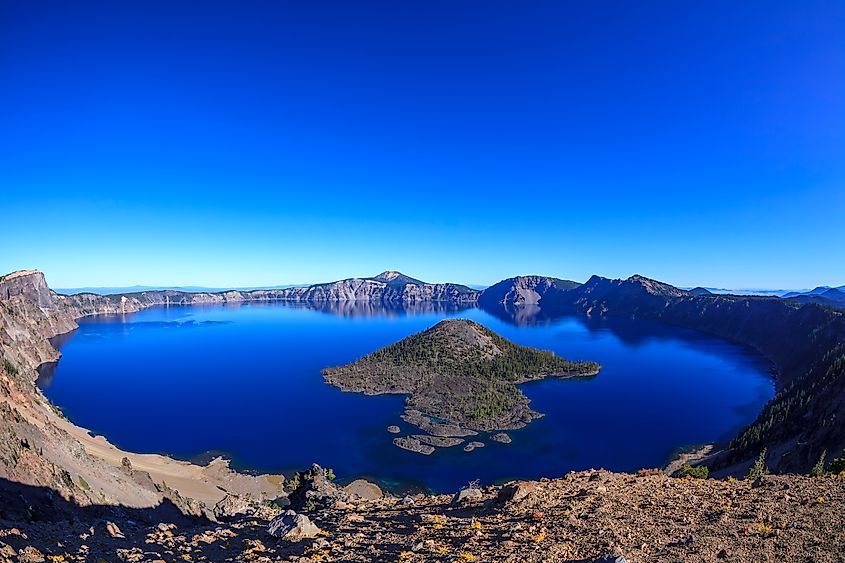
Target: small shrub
(764,529)
(837,465)
(310,505)
(700,472)
(818,468)
(10,368)
(293,483)
(84,484)
(759,468)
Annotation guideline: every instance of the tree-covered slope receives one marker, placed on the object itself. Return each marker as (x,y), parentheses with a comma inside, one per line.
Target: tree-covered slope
(459,371)
(806,342)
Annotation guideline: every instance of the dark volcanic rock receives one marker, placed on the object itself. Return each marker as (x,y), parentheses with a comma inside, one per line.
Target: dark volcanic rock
(501,437)
(413,445)
(438,441)
(473,445)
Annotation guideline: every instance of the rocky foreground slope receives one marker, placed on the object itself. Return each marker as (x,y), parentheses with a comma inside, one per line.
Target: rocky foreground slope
(582,517)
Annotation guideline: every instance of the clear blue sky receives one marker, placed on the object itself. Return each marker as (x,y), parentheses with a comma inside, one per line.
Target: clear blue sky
(246,143)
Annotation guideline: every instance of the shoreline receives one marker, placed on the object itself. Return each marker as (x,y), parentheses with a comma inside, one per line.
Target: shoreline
(208,483)
(185,476)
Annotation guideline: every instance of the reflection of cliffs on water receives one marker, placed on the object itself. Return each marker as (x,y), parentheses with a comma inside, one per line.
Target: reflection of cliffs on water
(517,300)
(376,308)
(519,315)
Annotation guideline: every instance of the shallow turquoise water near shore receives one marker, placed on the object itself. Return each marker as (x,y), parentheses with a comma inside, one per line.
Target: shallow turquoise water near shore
(245,381)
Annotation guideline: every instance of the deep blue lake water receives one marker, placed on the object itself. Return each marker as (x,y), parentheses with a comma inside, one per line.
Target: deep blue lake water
(245,381)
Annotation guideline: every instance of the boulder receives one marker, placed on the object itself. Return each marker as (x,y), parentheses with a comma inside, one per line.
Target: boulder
(113,530)
(467,495)
(501,437)
(362,488)
(233,505)
(293,527)
(762,481)
(514,492)
(393,429)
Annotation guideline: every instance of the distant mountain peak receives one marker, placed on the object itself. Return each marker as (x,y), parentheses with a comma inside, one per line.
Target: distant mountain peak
(700,291)
(389,275)
(656,287)
(394,277)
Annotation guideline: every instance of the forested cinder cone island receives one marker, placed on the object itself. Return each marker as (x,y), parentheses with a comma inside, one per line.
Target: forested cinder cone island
(422,281)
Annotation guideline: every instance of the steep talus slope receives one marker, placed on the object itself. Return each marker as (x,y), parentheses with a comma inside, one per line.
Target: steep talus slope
(585,517)
(806,343)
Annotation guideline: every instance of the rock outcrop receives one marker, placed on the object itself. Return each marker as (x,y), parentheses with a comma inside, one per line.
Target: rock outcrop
(293,527)
(520,291)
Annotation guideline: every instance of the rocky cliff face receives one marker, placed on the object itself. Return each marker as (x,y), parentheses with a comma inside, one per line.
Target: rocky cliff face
(26,283)
(28,319)
(805,342)
(39,448)
(521,291)
(387,287)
